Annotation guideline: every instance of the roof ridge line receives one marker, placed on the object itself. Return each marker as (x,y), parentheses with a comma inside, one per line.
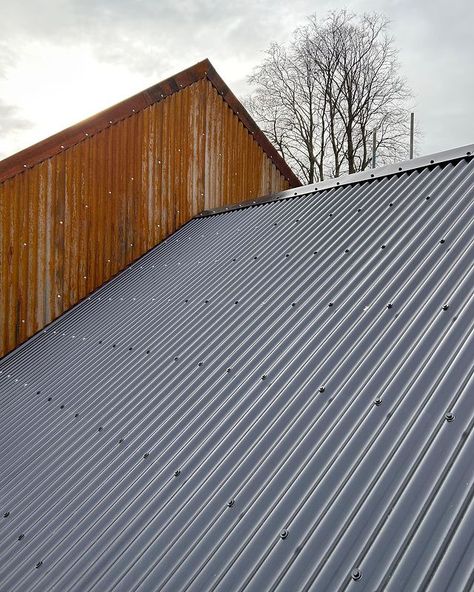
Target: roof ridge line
(405,166)
(78,132)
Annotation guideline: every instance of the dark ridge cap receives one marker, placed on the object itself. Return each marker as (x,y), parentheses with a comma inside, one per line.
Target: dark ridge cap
(73,135)
(369,175)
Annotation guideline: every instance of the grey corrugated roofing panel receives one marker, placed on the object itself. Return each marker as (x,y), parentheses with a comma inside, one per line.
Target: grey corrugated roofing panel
(275,398)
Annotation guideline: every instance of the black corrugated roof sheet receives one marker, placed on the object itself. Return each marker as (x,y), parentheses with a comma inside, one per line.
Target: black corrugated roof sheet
(276,398)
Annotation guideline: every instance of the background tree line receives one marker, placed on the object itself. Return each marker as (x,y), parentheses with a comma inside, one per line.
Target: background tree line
(319,97)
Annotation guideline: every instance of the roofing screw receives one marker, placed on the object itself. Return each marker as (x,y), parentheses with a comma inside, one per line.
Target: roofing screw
(382,246)
(287,255)
(230,503)
(200,363)
(331,304)
(445,306)
(390,204)
(50,398)
(346,251)
(176,358)
(449,416)
(120,441)
(389,305)
(255,257)
(76,415)
(264,376)
(38,392)
(99,429)
(321,389)
(330,215)
(6,514)
(427,197)
(378,402)
(39,564)
(315,253)
(147,351)
(229,369)
(356,575)
(61,407)
(293,304)
(130,348)
(146,455)
(177,473)
(442,241)
(236,302)
(21,537)
(284,534)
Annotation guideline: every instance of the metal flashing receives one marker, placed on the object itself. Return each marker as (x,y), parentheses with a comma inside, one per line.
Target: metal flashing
(406,166)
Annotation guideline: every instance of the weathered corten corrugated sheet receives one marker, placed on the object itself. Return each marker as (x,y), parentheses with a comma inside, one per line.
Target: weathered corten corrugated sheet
(276,398)
(80,206)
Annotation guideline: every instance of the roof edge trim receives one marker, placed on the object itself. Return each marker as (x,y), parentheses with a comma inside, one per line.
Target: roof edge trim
(73,135)
(367,175)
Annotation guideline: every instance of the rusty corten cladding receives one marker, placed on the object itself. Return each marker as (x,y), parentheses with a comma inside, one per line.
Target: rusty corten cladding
(80,206)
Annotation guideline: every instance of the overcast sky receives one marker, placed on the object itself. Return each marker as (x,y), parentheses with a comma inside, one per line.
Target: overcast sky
(63,60)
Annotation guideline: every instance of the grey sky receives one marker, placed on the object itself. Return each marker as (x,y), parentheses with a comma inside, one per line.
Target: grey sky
(63,60)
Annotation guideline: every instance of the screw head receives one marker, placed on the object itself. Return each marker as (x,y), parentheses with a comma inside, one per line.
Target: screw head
(356,574)
(177,473)
(146,455)
(264,376)
(449,416)
(321,389)
(389,305)
(230,503)
(6,514)
(21,537)
(445,306)
(331,304)
(378,402)
(39,564)
(284,534)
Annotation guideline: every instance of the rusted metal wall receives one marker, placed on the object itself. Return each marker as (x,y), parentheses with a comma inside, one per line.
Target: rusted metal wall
(72,221)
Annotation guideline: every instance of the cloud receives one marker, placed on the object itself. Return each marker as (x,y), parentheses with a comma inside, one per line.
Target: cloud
(78,54)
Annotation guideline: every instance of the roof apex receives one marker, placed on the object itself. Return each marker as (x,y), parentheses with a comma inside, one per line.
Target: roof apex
(61,141)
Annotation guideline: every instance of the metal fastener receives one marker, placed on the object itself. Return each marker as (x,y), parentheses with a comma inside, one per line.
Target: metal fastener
(449,416)
(284,534)
(356,575)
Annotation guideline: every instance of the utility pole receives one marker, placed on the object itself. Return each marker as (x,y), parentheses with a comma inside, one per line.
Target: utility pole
(412,133)
(374,148)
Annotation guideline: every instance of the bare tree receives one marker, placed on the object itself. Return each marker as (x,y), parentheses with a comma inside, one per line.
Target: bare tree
(320,98)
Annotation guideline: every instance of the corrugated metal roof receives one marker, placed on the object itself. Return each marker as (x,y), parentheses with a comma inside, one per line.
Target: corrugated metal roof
(275,398)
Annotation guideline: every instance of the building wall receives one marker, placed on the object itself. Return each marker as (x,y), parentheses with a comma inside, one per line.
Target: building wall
(72,221)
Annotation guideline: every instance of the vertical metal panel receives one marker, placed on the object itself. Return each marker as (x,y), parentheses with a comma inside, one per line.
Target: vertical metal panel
(71,222)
